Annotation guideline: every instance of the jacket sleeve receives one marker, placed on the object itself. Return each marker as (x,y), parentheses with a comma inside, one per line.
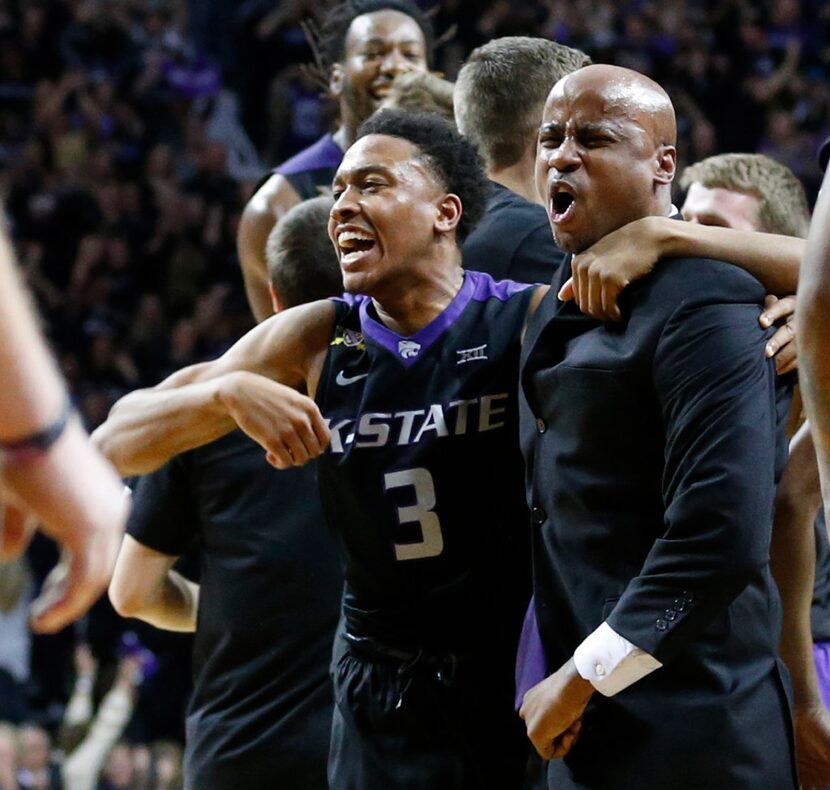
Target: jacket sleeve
(716,394)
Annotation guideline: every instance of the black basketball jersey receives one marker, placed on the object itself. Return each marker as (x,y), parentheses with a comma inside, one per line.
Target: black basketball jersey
(423,477)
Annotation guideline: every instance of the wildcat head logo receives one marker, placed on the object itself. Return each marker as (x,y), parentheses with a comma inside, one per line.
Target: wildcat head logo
(408,348)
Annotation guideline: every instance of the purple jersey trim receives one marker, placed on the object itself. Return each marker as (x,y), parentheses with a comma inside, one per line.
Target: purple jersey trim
(324,153)
(349,299)
(476,286)
(488,288)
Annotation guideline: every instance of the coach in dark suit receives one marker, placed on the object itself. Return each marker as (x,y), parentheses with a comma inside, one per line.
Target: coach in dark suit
(650,449)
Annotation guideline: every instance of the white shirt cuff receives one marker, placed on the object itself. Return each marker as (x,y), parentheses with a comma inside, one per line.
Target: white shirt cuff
(610,662)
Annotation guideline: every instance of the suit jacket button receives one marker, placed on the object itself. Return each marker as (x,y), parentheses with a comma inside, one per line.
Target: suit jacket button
(661,624)
(541,425)
(670,615)
(538,516)
(689,597)
(680,604)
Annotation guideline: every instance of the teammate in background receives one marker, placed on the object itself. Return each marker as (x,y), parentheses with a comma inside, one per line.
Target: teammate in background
(813,326)
(47,466)
(420,91)
(499,98)
(269,598)
(364,45)
(422,481)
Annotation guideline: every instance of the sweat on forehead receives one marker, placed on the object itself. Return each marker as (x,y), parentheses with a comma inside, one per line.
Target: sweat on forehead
(636,96)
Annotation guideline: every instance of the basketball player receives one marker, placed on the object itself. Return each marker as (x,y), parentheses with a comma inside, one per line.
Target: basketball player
(416,388)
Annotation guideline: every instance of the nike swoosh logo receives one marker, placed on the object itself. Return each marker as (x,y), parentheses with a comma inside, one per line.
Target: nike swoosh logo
(344,380)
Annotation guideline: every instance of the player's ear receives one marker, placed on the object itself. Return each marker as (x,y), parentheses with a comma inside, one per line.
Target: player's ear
(665,164)
(275,299)
(336,80)
(448,213)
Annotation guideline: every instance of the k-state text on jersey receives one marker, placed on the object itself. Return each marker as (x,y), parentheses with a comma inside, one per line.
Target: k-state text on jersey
(458,417)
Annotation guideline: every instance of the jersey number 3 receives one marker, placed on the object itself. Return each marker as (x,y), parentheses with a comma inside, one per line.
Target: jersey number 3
(421,513)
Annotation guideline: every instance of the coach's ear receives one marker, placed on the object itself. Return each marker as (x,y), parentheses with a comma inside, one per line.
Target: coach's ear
(449,212)
(665,164)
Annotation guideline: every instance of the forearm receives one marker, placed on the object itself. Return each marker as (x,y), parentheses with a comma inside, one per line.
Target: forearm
(32,394)
(70,489)
(148,427)
(771,259)
(793,560)
(173,605)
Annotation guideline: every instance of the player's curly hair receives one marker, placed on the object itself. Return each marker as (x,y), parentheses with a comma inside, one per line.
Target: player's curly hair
(335,27)
(452,158)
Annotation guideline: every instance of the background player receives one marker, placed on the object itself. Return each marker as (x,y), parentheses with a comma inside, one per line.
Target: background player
(499,98)
(260,715)
(364,45)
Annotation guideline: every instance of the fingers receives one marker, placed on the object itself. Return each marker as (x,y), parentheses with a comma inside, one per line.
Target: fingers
(595,288)
(566,741)
(781,340)
(610,309)
(777,310)
(582,292)
(67,593)
(559,746)
(76,582)
(786,360)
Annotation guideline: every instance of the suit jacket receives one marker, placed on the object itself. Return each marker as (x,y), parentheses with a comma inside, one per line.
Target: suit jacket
(650,448)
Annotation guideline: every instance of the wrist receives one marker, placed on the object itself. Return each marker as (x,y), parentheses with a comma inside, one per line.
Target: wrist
(226,390)
(577,687)
(665,234)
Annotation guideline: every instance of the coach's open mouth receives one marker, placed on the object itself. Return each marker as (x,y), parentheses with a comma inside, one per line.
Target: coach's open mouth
(562,202)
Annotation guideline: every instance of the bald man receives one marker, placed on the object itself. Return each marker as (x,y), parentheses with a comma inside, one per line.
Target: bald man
(650,447)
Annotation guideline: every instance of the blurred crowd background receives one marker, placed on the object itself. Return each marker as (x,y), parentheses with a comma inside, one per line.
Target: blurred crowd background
(132,132)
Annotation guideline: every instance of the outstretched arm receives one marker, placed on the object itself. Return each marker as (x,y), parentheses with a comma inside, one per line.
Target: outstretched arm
(601,272)
(255,385)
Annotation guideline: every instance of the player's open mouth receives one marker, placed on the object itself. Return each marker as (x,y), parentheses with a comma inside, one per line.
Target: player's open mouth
(562,202)
(354,243)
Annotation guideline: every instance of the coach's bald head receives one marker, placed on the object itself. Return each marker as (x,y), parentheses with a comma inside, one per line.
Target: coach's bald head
(606,153)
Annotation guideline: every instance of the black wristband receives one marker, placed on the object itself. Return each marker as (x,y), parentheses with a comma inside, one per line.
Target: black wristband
(38,442)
